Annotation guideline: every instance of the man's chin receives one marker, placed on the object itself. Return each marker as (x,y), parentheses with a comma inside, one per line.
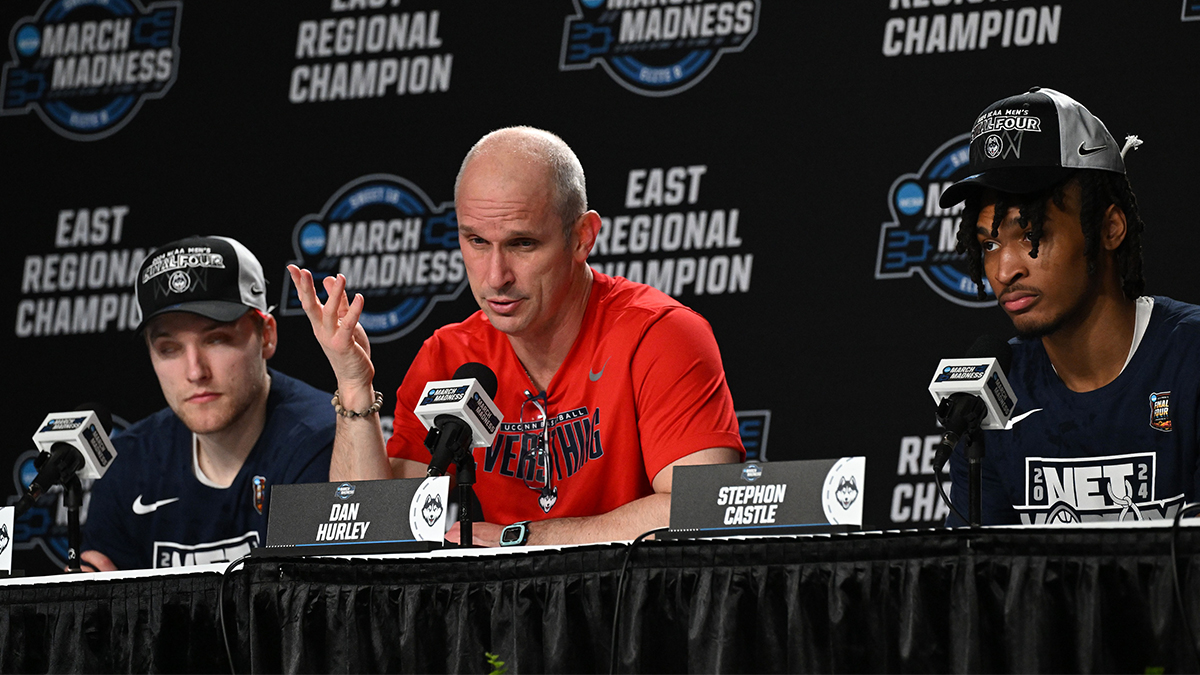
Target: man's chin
(1032,329)
(509,325)
(210,423)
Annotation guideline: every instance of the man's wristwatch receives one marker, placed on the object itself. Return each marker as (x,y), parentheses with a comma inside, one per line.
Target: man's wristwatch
(516,534)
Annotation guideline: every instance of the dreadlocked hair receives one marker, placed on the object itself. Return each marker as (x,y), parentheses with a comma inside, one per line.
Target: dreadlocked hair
(1098,190)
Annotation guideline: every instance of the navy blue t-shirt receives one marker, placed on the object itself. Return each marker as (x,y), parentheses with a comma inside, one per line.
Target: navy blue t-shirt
(150,510)
(1126,451)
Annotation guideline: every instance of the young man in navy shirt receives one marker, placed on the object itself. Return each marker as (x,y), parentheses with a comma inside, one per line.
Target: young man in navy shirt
(1106,378)
(192,481)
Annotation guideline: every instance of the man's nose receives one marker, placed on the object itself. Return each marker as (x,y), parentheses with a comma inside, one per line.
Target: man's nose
(197,365)
(499,271)
(1012,264)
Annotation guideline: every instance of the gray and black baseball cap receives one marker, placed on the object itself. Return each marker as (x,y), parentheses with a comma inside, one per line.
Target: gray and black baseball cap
(1032,141)
(215,277)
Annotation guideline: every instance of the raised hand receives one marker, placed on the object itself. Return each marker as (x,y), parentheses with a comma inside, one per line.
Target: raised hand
(335,325)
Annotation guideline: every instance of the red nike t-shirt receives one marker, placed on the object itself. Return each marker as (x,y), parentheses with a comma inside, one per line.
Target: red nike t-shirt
(642,386)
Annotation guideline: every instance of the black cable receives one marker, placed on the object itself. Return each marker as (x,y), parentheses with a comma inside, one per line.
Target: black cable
(937,473)
(1183,511)
(221,611)
(612,652)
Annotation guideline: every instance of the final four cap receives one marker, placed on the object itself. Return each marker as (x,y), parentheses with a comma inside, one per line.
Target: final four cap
(215,277)
(1032,141)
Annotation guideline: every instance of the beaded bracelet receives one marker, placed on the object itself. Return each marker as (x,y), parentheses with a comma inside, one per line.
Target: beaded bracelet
(337,406)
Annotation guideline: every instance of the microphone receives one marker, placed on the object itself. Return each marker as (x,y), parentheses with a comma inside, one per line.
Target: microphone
(71,444)
(972,393)
(459,415)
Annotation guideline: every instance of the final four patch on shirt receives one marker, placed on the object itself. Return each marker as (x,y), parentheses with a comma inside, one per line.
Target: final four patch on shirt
(260,492)
(1160,410)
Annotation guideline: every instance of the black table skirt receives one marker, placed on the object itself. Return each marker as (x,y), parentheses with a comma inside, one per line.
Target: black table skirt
(1003,600)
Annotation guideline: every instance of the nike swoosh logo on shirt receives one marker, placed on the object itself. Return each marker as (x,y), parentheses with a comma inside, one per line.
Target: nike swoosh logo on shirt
(1084,152)
(1020,417)
(142,509)
(596,376)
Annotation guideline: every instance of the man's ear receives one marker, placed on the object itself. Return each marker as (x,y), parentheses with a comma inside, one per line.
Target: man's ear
(270,336)
(586,229)
(1113,228)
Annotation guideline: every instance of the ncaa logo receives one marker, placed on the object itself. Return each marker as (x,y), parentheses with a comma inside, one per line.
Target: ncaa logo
(751,473)
(391,243)
(922,237)
(86,66)
(655,51)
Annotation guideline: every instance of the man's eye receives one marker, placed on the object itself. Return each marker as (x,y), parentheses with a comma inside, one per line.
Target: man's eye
(990,245)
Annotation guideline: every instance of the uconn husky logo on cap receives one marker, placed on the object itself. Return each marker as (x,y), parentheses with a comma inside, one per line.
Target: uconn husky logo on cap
(922,237)
(86,66)
(392,244)
(655,51)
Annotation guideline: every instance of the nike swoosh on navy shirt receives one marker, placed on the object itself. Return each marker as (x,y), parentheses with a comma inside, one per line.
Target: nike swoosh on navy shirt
(1020,417)
(142,509)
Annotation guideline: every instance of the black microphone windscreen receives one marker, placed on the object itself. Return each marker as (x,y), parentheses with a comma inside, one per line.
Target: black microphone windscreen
(480,372)
(992,346)
(102,412)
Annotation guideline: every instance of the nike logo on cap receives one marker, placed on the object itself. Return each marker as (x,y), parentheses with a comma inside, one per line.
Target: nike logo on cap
(142,509)
(1084,152)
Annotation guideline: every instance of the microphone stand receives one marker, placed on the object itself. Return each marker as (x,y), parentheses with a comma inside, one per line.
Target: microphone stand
(975,453)
(73,500)
(458,441)
(465,472)
(962,414)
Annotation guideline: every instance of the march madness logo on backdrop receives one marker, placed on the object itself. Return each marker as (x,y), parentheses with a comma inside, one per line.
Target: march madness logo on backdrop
(392,244)
(655,51)
(86,66)
(922,237)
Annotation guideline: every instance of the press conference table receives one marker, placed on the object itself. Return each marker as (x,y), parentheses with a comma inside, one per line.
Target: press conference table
(1000,599)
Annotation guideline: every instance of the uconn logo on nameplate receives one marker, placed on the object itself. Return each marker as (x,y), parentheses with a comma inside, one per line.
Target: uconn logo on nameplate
(768,498)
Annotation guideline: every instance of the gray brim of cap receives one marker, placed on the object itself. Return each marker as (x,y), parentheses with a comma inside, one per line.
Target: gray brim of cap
(1014,180)
(217,310)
